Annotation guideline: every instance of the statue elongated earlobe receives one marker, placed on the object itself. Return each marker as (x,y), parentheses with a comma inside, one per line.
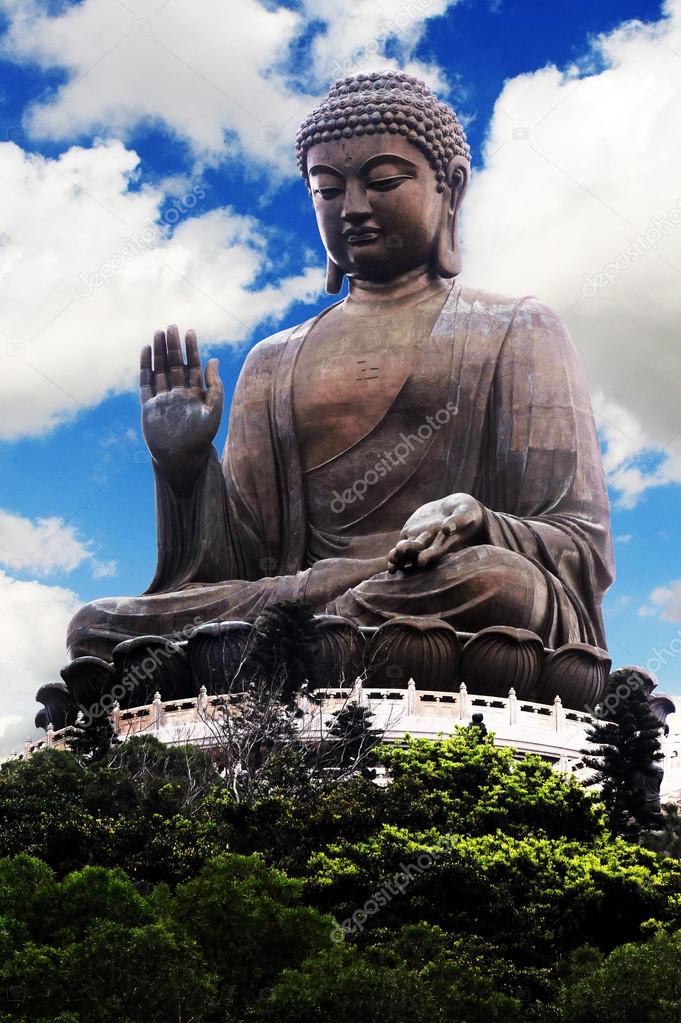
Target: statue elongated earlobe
(448,256)
(334,277)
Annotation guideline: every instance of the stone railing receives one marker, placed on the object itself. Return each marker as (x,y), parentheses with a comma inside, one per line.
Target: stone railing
(549,730)
(555,732)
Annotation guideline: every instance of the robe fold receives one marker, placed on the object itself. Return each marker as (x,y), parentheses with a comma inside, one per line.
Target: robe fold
(495,405)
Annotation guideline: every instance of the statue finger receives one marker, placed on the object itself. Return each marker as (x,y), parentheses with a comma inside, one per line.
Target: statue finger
(146,375)
(393,560)
(160,362)
(404,548)
(408,550)
(176,370)
(424,539)
(450,524)
(214,390)
(194,373)
(443,544)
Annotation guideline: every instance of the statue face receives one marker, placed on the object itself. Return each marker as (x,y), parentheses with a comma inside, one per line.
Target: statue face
(377,206)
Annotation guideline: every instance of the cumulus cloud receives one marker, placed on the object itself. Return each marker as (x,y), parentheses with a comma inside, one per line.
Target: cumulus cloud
(579,203)
(355,35)
(33,621)
(46,546)
(225,77)
(664,602)
(92,265)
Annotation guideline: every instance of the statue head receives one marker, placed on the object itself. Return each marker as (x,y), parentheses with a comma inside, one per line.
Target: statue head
(386,165)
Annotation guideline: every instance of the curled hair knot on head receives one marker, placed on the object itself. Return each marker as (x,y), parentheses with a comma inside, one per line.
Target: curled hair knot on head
(380,102)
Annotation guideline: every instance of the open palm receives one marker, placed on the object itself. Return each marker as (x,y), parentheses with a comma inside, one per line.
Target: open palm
(181,412)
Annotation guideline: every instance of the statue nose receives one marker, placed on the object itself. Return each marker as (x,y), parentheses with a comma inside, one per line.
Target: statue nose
(355,218)
(356,208)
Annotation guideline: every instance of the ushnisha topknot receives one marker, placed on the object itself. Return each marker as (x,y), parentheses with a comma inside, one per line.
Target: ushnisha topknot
(386,101)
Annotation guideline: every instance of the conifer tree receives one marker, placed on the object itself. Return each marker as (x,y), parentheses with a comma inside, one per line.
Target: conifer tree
(283,645)
(625,753)
(94,739)
(351,739)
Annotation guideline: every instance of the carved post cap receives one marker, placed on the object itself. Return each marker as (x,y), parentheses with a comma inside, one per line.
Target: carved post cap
(411,696)
(512,707)
(463,702)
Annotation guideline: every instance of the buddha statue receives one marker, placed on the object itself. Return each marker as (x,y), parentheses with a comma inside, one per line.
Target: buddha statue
(418,448)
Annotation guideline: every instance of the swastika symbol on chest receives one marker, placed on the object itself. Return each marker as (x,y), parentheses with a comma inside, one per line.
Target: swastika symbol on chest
(365,371)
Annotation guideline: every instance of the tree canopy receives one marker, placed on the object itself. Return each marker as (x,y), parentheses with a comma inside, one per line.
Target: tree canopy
(462,883)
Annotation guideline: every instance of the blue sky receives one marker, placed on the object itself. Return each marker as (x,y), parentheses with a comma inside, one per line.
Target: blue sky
(178,119)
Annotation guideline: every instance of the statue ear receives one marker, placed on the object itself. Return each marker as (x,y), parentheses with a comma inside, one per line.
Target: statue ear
(448,252)
(334,277)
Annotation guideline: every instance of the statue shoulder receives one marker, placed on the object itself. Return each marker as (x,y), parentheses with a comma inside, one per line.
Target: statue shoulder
(519,317)
(510,309)
(260,365)
(268,349)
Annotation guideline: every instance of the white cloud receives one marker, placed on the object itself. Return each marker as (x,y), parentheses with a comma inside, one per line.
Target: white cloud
(104,569)
(665,602)
(46,546)
(355,35)
(581,179)
(72,227)
(213,75)
(624,538)
(33,621)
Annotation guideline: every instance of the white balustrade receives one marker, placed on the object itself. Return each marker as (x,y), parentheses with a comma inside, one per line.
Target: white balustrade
(553,731)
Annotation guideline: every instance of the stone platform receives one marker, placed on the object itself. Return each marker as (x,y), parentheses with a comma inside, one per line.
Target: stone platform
(418,676)
(554,732)
(223,657)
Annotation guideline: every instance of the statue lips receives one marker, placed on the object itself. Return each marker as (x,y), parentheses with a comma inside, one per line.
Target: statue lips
(362,235)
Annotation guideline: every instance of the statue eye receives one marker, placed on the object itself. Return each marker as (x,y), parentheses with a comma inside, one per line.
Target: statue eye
(387,184)
(329,192)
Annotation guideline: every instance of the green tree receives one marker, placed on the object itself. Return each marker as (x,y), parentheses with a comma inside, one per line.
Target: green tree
(377,987)
(283,647)
(536,898)
(460,887)
(624,754)
(90,946)
(466,784)
(666,840)
(635,983)
(351,740)
(93,739)
(143,808)
(250,922)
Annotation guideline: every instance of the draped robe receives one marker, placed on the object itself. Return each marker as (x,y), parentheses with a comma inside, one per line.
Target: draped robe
(494,405)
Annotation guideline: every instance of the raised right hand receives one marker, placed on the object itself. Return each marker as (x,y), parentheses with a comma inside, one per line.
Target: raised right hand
(180,414)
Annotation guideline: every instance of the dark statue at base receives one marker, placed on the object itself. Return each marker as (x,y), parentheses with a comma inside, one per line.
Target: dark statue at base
(420,450)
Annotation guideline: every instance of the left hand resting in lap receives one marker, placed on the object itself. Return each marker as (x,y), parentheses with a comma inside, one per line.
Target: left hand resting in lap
(436,529)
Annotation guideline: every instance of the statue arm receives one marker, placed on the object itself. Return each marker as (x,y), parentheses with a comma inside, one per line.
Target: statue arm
(545,494)
(192,531)
(181,413)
